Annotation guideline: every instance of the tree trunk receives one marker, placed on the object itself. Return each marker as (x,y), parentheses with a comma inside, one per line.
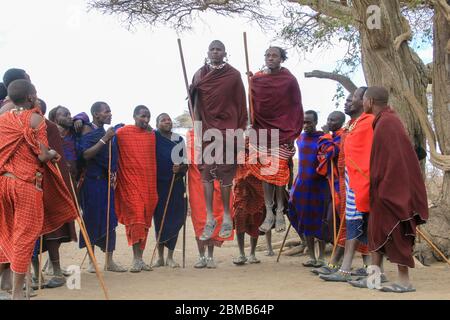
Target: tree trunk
(395,66)
(438,225)
(441,90)
(381,60)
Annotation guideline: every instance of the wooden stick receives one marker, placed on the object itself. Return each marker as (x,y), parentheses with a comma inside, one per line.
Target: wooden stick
(108,207)
(163,217)
(184,224)
(250,100)
(186,82)
(341,226)
(333,200)
(284,241)
(432,245)
(85,235)
(41,240)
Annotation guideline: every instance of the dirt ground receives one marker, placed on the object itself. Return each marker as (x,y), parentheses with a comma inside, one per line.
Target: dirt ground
(287,279)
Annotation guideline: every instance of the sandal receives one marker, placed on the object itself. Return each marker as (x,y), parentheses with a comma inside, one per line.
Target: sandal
(239,261)
(201,263)
(310,263)
(398,288)
(329,269)
(339,276)
(253,259)
(226,230)
(208,230)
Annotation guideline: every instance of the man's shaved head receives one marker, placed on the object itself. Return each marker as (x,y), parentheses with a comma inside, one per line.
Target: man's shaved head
(217,43)
(19,91)
(335,120)
(380,95)
(14,74)
(338,115)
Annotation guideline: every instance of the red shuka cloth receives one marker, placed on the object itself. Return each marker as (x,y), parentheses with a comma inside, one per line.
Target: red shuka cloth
(342,237)
(277,104)
(358,144)
(67,232)
(136,194)
(221,98)
(22,215)
(197,199)
(248,204)
(398,197)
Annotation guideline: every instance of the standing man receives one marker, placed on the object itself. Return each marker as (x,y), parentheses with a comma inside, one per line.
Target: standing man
(357,148)
(23,160)
(277,104)
(219,102)
(354,111)
(170,163)
(398,198)
(94,150)
(136,194)
(307,209)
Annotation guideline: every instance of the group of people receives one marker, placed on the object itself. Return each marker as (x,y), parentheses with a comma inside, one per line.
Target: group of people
(358,186)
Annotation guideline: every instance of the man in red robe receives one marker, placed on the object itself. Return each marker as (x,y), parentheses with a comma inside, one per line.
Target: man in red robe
(219,100)
(277,104)
(136,193)
(398,198)
(24,159)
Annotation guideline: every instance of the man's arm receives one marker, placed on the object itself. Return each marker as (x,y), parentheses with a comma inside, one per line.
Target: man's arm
(92,151)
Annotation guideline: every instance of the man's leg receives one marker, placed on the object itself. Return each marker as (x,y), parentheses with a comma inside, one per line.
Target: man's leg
(269,191)
(210,264)
(252,258)
(18,282)
(242,259)
(280,224)
(227,222)
(6,276)
(321,258)
(269,251)
(208,188)
(160,261)
(201,263)
(170,261)
(311,252)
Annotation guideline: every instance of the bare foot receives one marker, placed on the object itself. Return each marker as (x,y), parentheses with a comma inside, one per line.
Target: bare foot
(280,223)
(268,223)
(172,264)
(158,263)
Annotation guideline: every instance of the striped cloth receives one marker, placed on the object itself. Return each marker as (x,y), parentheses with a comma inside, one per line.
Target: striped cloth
(271,166)
(307,203)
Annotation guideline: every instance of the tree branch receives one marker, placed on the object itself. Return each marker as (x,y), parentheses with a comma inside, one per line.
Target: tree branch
(444,6)
(326,7)
(343,80)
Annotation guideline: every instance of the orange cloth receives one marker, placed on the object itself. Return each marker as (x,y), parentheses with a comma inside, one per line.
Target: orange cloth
(136,194)
(269,171)
(357,149)
(22,218)
(361,247)
(197,199)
